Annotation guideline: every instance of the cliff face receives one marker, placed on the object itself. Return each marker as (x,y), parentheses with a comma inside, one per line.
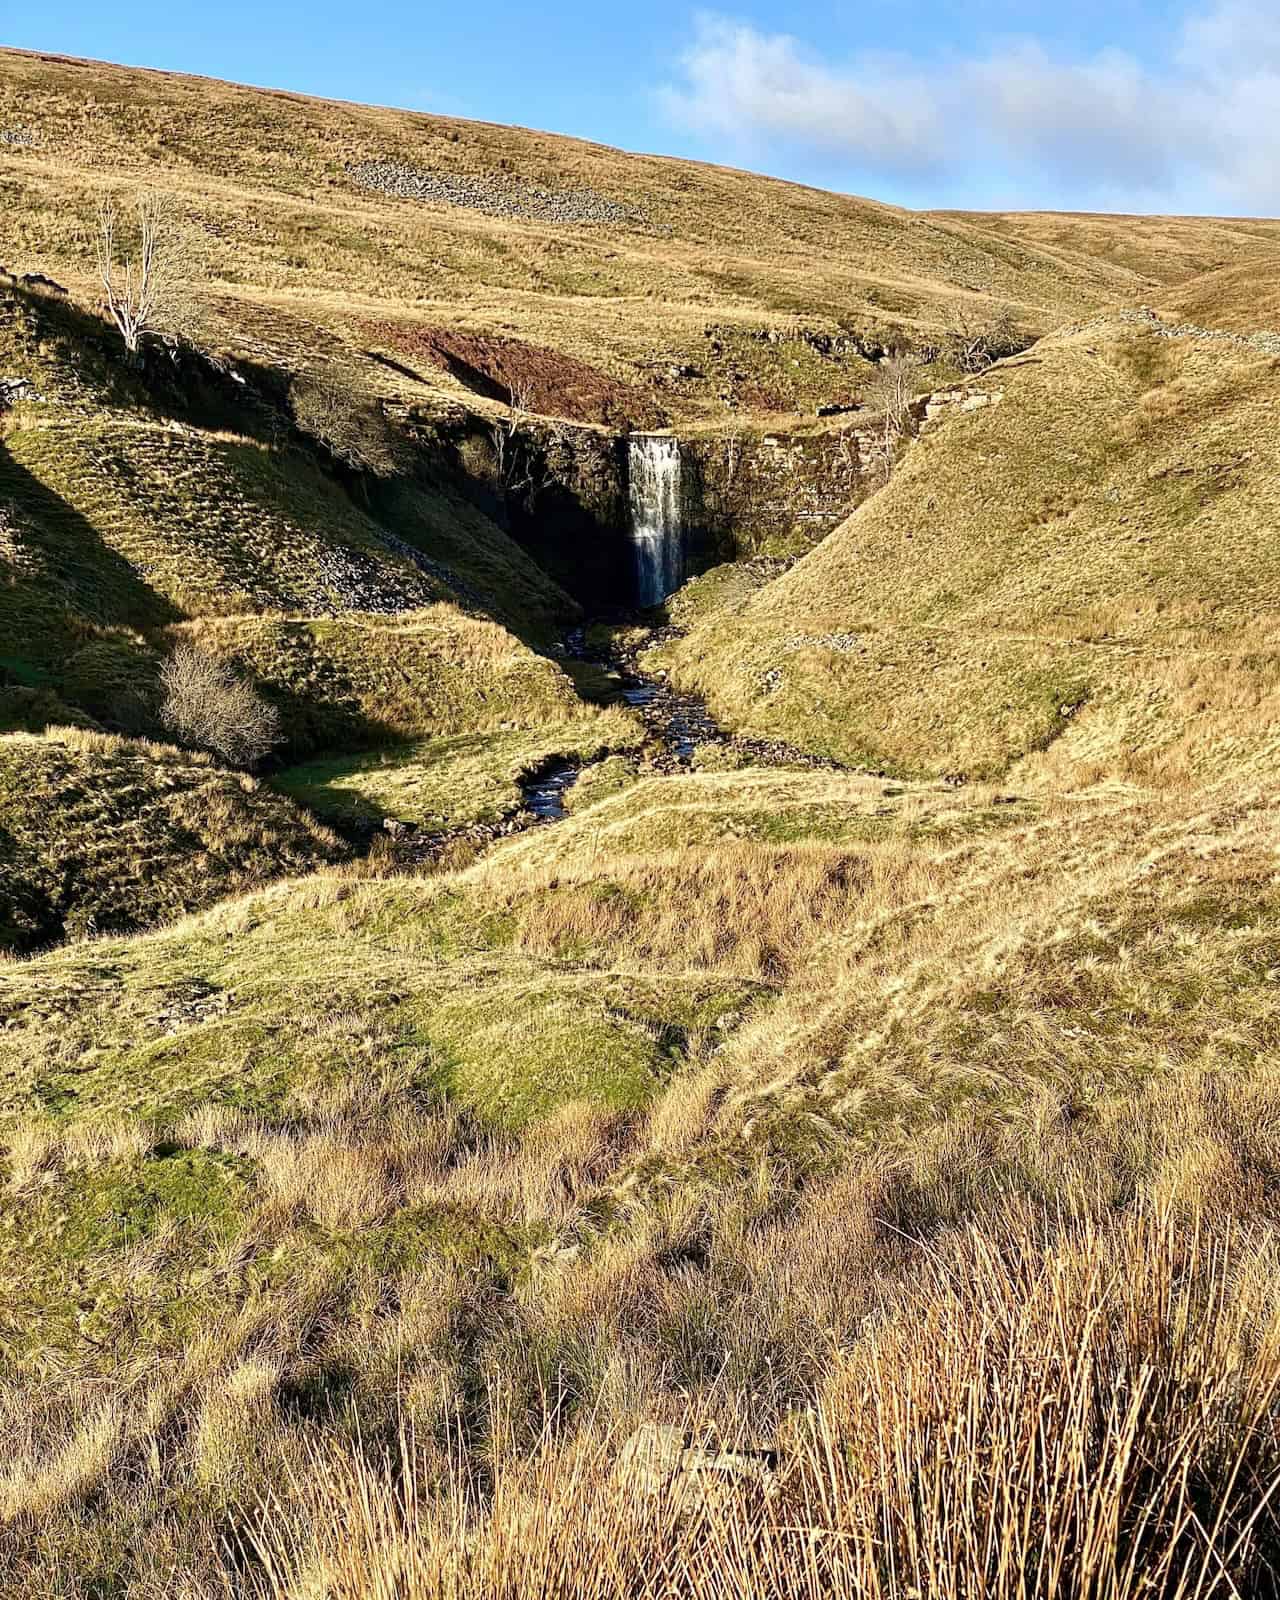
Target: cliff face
(772,494)
(562,492)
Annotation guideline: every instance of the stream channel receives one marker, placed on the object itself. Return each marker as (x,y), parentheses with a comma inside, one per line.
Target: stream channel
(677,724)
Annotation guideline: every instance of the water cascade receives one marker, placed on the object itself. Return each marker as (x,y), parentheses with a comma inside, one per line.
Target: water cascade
(653,470)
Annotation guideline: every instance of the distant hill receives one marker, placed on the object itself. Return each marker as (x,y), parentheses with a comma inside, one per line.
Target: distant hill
(325,228)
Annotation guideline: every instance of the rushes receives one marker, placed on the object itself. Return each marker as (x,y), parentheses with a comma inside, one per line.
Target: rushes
(36,1484)
(968,1211)
(1088,1411)
(1043,1359)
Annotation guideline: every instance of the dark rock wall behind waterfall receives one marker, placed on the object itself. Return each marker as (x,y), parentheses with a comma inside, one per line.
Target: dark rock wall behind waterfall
(562,492)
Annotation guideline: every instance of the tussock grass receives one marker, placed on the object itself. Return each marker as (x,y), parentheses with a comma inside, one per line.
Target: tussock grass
(1000,1361)
(1076,1421)
(923,1132)
(104,834)
(971,1224)
(751,909)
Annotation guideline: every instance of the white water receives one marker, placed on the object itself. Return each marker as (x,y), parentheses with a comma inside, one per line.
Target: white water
(653,470)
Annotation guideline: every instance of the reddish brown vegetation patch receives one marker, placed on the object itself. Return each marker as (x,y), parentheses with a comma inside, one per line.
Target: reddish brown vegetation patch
(538,379)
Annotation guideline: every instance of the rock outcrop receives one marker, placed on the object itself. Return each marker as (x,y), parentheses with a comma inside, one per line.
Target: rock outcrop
(496,195)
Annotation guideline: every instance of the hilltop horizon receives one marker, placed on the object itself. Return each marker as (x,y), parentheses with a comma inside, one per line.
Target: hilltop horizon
(1046,208)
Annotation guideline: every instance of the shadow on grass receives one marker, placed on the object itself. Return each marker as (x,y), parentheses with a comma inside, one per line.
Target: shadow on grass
(77,575)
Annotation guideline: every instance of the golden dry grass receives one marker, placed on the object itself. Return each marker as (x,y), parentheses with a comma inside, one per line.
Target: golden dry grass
(925,1133)
(1099,531)
(972,1225)
(300,259)
(104,834)
(1082,1416)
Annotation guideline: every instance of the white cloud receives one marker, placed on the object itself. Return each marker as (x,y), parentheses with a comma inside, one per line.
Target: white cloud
(746,84)
(1198,128)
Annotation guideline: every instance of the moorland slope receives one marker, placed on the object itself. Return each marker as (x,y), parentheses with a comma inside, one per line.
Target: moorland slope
(329,231)
(1081,546)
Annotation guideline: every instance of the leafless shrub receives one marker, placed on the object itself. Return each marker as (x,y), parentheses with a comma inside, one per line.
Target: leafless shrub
(891,391)
(524,461)
(732,457)
(206,704)
(143,261)
(330,407)
(515,462)
(975,341)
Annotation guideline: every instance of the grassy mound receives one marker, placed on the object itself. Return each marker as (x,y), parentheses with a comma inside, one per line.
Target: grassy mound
(99,835)
(731,581)
(351,682)
(1102,519)
(276,999)
(764,806)
(452,781)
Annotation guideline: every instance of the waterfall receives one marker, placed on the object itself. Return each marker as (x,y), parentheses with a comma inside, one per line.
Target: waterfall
(653,471)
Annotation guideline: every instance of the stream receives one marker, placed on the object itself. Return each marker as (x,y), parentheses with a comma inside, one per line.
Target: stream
(544,793)
(677,724)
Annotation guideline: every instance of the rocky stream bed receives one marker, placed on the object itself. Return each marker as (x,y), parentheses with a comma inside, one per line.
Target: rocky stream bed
(677,725)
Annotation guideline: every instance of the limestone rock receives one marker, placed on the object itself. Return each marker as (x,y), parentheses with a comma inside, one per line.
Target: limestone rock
(656,1458)
(494,194)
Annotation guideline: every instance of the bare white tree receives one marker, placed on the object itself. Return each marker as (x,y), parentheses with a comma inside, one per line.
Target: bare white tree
(976,340)
(522,466)
(892,389)
(505,433)
(141,260)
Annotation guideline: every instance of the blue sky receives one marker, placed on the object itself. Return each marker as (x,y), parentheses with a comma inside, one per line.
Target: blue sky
(1123,105)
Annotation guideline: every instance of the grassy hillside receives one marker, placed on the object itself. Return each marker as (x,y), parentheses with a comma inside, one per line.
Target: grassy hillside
(617,261)
(1161,250)
(129,506)
(1090,550)
(455,780)
(137,498)
(360,681)
(100,834)
(519,1158)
